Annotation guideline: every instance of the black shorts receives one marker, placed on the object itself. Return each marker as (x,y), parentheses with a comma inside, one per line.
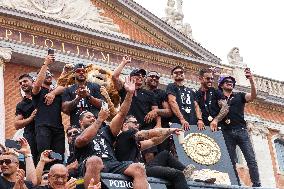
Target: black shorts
(109,167)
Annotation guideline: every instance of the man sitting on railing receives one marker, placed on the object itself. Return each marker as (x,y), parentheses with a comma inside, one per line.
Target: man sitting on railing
(95,144)
(131,142)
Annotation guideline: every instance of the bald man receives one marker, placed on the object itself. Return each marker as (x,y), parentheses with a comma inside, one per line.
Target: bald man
(57,178)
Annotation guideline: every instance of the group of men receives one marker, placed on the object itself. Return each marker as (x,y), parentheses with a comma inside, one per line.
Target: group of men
(137,141)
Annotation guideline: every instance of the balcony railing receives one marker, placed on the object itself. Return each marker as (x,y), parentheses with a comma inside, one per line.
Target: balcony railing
(272,87)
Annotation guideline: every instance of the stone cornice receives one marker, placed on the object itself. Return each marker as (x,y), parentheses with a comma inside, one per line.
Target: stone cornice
(38,53)
(99,34)
(169,30)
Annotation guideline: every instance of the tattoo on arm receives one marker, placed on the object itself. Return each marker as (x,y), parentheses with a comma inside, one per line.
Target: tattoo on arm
(142,135)
(224,110)
(164,112)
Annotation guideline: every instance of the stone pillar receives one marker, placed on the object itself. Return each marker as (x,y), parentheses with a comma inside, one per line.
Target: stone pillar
(258,132)
(5,56)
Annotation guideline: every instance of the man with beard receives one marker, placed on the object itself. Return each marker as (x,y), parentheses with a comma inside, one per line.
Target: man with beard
(48,121)
(212,106)
(234,126)
(131,142)
(182,101)
(82,96)
(95,144)
(25,113)
(12,176)
(72,164)
(163,110)
(143,101)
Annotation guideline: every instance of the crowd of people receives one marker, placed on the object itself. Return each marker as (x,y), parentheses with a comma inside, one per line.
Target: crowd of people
(135,141)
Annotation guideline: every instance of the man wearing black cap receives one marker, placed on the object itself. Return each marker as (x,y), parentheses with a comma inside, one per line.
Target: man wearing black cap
(183,101)
(143,100)
(234,125)
(82,96)
(48,120)
(212,106)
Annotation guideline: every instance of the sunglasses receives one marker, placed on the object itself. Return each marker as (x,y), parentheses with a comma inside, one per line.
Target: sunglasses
(48,74)
(178,72)
(209,78)
(134,122)
(80,71)
(154,77)
(228,81)
(69,134)
(6,161)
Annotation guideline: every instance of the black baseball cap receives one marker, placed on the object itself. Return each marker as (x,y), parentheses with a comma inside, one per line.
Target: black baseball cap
(138,71)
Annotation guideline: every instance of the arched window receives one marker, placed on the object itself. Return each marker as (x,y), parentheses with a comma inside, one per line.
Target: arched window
(279,147)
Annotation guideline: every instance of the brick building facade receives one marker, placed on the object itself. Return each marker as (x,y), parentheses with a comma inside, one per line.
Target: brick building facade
(153,45)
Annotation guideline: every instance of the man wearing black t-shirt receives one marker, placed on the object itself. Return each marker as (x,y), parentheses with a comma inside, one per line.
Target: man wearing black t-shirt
(25,113)
(96,142)
(131,142)
(164,110)
(182,101)
(142,101)
(82,96)
(48,121)
(212,106)
(234,125)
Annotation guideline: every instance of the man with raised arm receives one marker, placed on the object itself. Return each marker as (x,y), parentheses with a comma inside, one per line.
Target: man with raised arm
(142,101)
(234,126)
(48,120)
(12,176)
(95,144)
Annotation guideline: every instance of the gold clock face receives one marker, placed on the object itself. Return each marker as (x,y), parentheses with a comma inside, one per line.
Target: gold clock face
(202,149)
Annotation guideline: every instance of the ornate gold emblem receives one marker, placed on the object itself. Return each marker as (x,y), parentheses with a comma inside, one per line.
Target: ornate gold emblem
(202,149)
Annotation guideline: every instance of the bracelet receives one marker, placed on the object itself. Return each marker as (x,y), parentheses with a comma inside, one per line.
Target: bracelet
(28,155)
(200,119)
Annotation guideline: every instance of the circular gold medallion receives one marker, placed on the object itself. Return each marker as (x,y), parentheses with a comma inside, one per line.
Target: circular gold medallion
(202,149)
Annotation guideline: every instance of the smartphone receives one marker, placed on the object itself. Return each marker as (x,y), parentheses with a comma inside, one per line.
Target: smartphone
(13,144)
(54,155)
(104,105)
(247,70)
(50,51)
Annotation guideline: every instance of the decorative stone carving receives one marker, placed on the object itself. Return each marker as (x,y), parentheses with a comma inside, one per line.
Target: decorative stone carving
(258,129)
(5,55)
(174,17)
(234,57)
(81,12)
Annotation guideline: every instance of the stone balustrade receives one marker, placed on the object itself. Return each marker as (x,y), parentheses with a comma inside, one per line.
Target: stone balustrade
(271,86)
